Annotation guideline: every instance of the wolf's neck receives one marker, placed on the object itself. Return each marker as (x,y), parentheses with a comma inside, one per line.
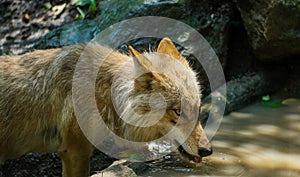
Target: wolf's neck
(114,84)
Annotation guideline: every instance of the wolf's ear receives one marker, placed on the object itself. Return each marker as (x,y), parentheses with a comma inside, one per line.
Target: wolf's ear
(167,47)
(141,63)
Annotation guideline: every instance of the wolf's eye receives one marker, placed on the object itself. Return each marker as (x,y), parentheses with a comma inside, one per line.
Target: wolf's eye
(177,112)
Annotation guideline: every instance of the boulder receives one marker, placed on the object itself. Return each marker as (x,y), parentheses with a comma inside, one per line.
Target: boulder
(273,27)
(244,90)
(210,19)
(111,12)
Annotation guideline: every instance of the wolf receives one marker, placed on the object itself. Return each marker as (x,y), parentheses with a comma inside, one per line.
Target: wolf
(37,110)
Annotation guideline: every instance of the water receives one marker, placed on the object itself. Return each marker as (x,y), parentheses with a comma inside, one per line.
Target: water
(254,141)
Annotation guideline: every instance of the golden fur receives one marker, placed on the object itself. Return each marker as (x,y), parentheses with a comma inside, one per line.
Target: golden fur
(37,113)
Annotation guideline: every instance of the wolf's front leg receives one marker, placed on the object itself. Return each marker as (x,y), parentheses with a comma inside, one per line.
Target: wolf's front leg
(75,152)
(75,165)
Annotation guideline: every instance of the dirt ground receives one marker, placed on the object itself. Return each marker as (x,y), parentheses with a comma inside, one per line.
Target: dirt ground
(23,22)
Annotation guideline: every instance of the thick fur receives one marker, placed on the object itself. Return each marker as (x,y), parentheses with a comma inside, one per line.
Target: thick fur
(37,113)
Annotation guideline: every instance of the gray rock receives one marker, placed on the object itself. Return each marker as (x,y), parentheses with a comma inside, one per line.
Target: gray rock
(138,167)
(273,27)
(244,90)
(211,20)
(46,164)
(118,168)
(112,12)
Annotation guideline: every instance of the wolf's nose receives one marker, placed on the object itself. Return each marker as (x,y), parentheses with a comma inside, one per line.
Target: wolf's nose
(203,152)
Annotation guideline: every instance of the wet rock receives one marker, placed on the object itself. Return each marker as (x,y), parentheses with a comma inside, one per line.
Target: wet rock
(273,27)
(241,59)
(138,167)
(77,32)
(212,20)
(34,165)
(46,164)
(112,12)
(118,168)
(244,90)
(291,88)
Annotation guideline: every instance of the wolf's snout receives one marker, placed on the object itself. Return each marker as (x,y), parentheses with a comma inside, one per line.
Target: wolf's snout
(203,152)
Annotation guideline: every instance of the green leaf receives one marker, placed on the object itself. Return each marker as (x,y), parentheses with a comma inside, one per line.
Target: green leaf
(93,5)
(136,157)
(81,12)
(273,104)
(266,98)
(80,2)
(47,5)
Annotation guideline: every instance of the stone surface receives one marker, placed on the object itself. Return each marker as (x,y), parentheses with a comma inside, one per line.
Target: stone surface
(244,90)
(47,164)
(273,27)
(22,25)
(211,19)
(118,168)
(83,31)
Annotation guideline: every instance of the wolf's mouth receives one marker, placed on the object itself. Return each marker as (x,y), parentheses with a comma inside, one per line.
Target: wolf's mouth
(196,159)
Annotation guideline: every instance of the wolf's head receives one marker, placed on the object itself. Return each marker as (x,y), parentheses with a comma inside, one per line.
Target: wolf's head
(165,101)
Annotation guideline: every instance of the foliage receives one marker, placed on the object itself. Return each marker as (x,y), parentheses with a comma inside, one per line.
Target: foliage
(91,3)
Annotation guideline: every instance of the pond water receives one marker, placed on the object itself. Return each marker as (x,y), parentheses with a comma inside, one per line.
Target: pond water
(254,141)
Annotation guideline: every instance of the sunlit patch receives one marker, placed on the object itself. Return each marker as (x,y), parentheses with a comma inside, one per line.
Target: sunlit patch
(266,129)
(292,117)
(241,115)
(295,126)
(291,102)
(233,170)
(247,133)
(226,164)
(223,159)
(272,159)
(262,145)
(247,148)
(221,144)
(256,141)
